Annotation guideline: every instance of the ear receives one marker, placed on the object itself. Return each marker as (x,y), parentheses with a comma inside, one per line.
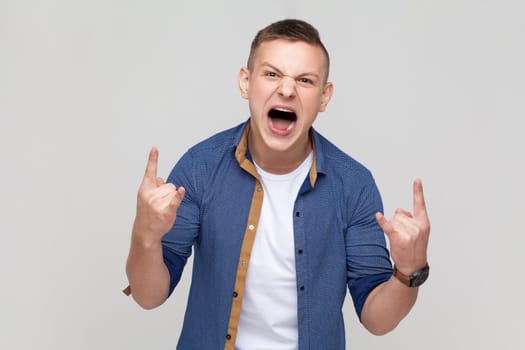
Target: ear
(243,80)
(328,91)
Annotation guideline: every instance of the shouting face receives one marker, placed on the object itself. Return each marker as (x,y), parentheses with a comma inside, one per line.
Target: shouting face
(286,88)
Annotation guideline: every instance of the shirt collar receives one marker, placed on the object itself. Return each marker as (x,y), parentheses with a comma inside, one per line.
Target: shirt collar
(242,154)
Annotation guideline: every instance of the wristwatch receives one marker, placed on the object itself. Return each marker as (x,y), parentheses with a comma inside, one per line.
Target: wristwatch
(414,280)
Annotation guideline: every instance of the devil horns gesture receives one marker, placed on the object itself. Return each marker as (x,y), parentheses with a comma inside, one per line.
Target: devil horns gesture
(408,233)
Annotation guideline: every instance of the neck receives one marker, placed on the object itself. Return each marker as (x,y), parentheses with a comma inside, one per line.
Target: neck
(279,162)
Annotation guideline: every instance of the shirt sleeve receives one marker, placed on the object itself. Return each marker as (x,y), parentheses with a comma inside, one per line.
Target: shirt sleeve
(175,265)
(361,288)
(177,243)
(367,256)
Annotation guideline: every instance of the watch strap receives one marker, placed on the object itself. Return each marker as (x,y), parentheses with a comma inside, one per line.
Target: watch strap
(414,280)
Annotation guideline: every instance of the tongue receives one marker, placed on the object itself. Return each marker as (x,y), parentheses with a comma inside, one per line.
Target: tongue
(280,124)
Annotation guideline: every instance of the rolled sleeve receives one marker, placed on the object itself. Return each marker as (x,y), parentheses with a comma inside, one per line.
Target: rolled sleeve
(175,265)
(367,257)
(178,242)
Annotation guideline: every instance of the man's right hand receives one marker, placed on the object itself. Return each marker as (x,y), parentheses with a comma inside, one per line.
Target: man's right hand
(157,204)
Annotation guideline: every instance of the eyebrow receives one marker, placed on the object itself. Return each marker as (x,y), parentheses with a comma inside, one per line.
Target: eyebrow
(269,65)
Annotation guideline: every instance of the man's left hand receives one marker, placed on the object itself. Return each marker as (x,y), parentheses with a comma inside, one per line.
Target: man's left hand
(408,234)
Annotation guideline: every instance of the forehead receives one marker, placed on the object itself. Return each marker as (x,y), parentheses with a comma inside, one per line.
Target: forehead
(296,57)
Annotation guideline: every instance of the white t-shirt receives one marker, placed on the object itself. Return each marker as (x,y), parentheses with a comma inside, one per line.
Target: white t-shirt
(269,307)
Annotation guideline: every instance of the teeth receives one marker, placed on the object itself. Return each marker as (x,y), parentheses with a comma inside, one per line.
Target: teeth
(284,110)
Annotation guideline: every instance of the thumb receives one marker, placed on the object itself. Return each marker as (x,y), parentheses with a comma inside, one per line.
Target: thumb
(177,198)
(384,224)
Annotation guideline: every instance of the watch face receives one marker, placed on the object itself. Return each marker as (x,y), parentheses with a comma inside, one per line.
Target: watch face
(419,277)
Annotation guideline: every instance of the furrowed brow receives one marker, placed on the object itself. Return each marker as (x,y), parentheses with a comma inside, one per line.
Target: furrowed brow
(309,75)
(272,67)
(302,75)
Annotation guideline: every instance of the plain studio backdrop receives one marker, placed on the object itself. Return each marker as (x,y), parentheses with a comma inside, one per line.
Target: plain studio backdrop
(430,89)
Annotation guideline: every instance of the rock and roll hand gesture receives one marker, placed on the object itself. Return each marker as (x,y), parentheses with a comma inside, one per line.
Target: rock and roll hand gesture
(157,203)
(408,234)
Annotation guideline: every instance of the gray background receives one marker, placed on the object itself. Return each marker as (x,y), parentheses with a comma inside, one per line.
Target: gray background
(430,89)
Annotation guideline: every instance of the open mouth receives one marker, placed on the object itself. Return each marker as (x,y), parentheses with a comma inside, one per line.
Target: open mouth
(282,119)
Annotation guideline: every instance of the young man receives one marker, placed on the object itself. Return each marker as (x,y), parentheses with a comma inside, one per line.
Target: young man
(281,221)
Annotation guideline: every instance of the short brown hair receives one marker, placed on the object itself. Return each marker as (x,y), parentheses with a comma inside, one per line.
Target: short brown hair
(292,30)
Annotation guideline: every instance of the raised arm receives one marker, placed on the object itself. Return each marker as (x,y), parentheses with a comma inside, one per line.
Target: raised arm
(408,235)
(157,204)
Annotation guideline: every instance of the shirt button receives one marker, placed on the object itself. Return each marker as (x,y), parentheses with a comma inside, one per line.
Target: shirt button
(228,337)
(235,295)
(300,251)
(301,288)
(297,213)
(302,317)
(259,189)
(251,227)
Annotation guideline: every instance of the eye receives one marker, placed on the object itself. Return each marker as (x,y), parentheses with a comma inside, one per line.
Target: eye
(306,81)
(271,74)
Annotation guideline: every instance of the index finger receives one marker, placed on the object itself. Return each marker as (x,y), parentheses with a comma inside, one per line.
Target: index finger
(420,208)
(151,168)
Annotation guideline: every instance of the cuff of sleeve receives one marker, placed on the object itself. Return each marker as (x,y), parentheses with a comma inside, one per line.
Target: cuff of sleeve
(361,288)
(175,265)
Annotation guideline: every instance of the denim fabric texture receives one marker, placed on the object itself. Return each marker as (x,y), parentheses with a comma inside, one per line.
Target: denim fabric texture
(338,243)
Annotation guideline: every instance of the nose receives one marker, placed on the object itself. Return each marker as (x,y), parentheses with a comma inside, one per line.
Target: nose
(287,87)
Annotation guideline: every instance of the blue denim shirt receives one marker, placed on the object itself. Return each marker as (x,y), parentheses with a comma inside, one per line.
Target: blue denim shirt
(338,243)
